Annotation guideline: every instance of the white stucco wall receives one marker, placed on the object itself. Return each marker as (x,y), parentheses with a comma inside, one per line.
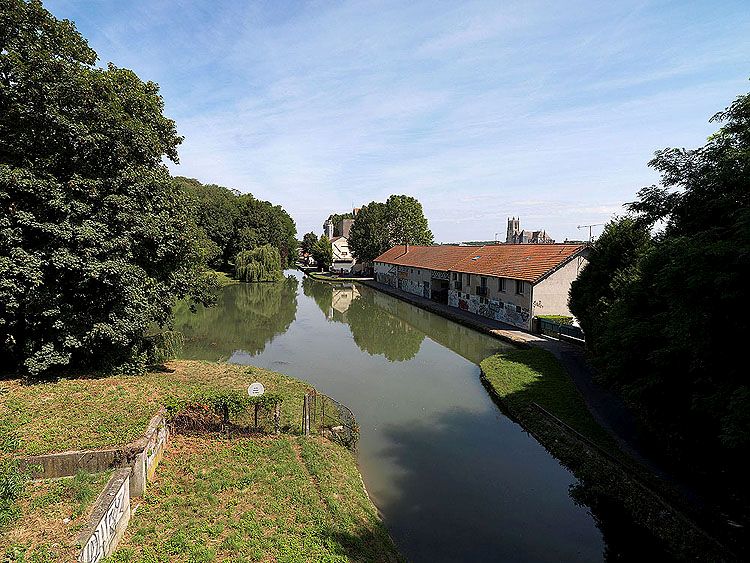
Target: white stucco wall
(551,294)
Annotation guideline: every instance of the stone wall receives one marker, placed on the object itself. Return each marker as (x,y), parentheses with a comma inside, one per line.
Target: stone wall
(492,308)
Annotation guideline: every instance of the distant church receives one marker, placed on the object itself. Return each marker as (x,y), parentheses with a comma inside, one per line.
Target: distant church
(517,236)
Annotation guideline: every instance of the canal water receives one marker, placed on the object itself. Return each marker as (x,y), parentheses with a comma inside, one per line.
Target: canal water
(453,477)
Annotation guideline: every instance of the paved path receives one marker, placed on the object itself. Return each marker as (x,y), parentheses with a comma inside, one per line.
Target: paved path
(606,407)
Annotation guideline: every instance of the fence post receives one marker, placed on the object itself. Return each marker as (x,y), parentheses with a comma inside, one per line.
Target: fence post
(306,415)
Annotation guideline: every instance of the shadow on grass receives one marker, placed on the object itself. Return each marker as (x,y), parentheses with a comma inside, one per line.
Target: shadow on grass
(363,545)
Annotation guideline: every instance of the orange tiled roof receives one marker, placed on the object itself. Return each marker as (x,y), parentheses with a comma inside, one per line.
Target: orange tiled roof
(528,262)
(429,257)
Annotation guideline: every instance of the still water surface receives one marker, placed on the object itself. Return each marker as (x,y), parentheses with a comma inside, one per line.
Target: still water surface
(454,479)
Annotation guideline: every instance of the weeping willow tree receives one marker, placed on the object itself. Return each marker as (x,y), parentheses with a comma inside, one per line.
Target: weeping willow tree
(262,264)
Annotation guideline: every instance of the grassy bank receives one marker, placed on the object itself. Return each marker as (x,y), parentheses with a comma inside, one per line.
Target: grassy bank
(519,378)
(264,497)
(50,514)
(281,498)
(321,276)
(224,279)
(652,520)
(88,413)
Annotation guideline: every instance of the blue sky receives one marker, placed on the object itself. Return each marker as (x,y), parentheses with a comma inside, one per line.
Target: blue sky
(481,110)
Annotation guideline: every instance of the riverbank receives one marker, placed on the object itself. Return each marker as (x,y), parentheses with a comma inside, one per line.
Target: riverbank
(280,498)
(48,517)
(110,411)
(598,441)
(322,276)
(532,388)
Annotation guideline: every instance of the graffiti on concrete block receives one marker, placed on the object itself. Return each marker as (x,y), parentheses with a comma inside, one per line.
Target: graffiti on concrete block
(453,297)
(101,542)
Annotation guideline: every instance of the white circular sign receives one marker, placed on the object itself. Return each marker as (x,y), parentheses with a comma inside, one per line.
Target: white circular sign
(256,389)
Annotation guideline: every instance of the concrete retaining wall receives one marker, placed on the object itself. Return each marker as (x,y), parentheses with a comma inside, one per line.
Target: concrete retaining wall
(141,456)
(108,521)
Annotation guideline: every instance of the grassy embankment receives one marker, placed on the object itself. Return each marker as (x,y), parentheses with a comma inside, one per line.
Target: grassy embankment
(263,497)
(224,278)
(519,378)
(49,516)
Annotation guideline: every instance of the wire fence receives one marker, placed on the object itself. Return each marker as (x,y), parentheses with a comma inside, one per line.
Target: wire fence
(326,416)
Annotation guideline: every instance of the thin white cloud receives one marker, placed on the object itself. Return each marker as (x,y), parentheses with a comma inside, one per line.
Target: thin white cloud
(480,110)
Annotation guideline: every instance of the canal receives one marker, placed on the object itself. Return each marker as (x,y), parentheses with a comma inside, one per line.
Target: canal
(453,477)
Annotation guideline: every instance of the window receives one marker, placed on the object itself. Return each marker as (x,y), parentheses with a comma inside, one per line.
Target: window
(519,287)
(501,284)
(483,281)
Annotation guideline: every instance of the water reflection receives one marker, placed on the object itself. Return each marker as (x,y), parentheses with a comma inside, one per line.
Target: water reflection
(246,317)
(382,325)
(379,332)
(454,478)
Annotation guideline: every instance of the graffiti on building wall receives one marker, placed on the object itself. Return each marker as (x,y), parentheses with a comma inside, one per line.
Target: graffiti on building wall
(491,308)
(411,286)
(388,279)
(100,542)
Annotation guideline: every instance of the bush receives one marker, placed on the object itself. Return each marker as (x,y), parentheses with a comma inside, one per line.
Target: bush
(260,265)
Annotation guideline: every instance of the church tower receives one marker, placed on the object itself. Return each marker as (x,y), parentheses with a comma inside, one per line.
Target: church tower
(514,227)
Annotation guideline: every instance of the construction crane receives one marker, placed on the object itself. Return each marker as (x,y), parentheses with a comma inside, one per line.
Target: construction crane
(591,237)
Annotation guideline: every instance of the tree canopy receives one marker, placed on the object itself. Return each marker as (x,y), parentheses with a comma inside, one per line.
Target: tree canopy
(232,222)
(308,242)
(322,253)
(262,264)
(96,240)
(664,304)
(380,226)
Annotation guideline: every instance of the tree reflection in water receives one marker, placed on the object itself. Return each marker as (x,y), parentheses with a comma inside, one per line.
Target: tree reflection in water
(246,317)
(378,332)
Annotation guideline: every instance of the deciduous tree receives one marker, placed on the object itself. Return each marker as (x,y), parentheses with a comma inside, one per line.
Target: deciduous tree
(96,240)
(380,226)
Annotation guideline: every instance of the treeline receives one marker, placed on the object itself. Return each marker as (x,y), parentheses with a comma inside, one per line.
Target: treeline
(231,222)
(97,240)
(664,304)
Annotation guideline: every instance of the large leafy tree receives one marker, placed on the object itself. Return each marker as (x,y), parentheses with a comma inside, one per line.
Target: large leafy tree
(308,242)
(368,237)
(380,226)
(667,316)
(96,241)
(322,253)
(234,222)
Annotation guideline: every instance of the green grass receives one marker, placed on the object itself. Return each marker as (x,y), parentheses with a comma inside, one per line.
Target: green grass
(224,279)
(282,498)
(559,319)
(89,413)
(521,377)
(51,513)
